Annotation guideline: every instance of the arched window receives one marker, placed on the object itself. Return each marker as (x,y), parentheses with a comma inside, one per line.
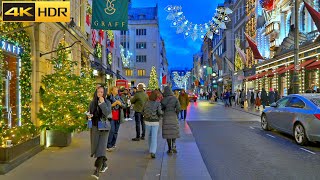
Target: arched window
(288,24)
(303,19)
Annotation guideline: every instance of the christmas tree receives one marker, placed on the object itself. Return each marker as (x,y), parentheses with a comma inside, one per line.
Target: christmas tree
(153,82)
(65,96)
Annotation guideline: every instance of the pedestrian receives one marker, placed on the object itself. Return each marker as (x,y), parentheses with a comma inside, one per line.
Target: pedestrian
(276,95)
(138,100)
(176,94)
(226,98)
(236,97)
(264,98)
(151,112)
(117,106)
(170,124)
(184,102)
(134,91)
(230,97)
(126,98)
(99,110)
(248,98)
(258,100)
(271,96)
(242,97)
(252,98)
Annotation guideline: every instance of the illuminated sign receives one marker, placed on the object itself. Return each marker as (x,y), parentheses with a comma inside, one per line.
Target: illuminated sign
(11,48)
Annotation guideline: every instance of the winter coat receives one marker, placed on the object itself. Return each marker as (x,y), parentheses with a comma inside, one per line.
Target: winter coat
(276,95)
(152,111)
(243,96)
(171,107)
(139,99)
(271,97)
(264,96)
(184,101)
(226,95)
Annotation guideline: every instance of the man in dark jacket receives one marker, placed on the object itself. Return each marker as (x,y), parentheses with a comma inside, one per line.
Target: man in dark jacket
(264,98)
(138,100)
(271,96)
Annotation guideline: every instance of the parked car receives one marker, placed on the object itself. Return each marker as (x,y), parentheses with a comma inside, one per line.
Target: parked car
(297,115)
(193,97)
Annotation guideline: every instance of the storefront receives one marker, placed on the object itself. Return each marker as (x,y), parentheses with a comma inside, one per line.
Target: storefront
(278,72)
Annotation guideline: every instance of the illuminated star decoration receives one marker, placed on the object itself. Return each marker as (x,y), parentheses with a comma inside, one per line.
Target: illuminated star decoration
(180,80)
(125,60)
(195,31)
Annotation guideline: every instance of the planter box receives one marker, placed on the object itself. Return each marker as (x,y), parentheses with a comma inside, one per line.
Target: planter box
(56,138)
(13,156)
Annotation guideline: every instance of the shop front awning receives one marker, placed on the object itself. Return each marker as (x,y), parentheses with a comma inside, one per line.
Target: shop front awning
(288,68)
(302,65)
(276,71)
(257,76)
(313,65)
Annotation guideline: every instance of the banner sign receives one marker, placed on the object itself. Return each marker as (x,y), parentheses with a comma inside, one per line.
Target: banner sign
(110,14)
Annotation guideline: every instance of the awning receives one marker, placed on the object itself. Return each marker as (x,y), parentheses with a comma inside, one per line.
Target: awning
(271,73)
(257,76)
(289,68)
(313,65)
(260,75)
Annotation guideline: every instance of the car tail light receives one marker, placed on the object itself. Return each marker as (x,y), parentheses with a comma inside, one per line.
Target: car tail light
(317,116)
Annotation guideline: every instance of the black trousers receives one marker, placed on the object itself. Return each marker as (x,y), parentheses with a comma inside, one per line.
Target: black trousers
(126,112)
(99,162)
(139,120)
(171,143)
(183,114)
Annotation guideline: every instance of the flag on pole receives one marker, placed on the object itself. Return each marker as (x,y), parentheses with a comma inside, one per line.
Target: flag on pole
(93,38)
(164,79)
(253,47)
(230,64)
(219,61)
(241,54)
(101,36)
(314,14)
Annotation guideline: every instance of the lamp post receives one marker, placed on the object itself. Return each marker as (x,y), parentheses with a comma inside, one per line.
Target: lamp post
(296,49)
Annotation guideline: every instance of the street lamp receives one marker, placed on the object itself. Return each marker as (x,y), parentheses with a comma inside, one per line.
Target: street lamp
(296,49)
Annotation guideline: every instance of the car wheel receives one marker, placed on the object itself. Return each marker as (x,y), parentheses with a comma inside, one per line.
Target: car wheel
(300,134)
(264,123)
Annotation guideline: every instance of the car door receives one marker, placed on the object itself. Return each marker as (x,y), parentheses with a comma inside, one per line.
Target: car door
(293,109)
(276,113)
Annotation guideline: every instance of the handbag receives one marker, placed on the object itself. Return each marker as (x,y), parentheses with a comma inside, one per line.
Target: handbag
(104,125)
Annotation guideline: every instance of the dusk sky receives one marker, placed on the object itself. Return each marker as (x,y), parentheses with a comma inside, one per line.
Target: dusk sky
(180,50)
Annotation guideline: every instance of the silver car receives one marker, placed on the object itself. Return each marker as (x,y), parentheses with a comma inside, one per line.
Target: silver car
(297,115)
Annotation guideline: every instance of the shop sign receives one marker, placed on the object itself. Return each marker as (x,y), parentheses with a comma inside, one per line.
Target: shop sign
(11,48)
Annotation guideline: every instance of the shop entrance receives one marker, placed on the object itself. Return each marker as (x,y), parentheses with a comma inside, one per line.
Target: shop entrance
(11,97)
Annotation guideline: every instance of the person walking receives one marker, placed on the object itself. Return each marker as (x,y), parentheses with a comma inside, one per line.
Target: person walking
(264,98)
(230,97)
(176,94)
(276,95)
(258,100)
(184,102)
(117,105)
(271,96)
(151,112)
(252,98)
(236,97)
(170,124)
(99,110)
(226,96)
(138,100)
(248,98)
(126,98)
(242,97)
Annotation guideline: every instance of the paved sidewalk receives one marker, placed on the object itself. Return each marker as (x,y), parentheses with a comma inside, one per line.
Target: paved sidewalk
(251,110)
(130,161)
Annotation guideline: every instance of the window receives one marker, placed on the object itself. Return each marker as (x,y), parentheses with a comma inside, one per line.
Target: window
(125,45)
(141,72)
(141,32)
(303,19)
(141,59)
(141,45)
(283,102)
(129,72)
(296,103)
(123,32)
(118,62)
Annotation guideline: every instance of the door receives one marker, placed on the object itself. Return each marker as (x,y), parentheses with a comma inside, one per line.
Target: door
(278,113)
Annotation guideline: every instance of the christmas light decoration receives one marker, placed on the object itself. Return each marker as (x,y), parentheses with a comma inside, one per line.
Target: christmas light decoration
(153,81)
(196,31)
(64,95)
(125,60)
(27,130)
(98,51)
(180,80)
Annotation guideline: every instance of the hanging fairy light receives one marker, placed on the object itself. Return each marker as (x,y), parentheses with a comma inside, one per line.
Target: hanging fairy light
(180,80)
(125,59)
(196,31)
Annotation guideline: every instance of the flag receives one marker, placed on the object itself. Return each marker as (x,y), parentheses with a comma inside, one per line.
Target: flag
(110,14)
(253,47)
(93,38)
(230,65)
(88,19)
(314,14)
(101,34)
(241,54)
(164,79)
(219,61)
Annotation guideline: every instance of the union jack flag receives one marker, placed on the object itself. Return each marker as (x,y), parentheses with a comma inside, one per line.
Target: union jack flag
(93,38)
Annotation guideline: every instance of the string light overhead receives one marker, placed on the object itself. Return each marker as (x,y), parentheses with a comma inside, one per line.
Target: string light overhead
(125,59)
(196,31)
(180,80)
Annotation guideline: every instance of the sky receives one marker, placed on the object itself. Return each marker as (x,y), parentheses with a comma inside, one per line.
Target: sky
(180,50)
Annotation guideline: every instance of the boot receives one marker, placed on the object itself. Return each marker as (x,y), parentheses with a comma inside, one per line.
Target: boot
(169,141)
(174,147)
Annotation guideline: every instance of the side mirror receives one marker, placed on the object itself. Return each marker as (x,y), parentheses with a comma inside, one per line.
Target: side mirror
(274,105)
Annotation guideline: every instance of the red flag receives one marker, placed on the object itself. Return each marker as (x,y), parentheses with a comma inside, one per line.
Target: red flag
(253,47)
(88,19)
(101,34)
(164,79)
(314,14)
(93,38)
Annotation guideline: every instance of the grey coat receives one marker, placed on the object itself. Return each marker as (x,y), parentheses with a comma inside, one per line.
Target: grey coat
(171,107)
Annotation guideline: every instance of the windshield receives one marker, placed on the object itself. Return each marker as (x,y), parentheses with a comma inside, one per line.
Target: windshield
(316,101)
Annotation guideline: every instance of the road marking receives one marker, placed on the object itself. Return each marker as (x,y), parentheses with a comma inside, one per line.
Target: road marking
(307,150)
(251,127)
(271,136)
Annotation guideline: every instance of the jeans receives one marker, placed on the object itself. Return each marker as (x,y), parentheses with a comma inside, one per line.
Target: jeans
(226,102)
(113,134)
(139,120)
(152,132)
(264,105)
(126,112)
(183,114)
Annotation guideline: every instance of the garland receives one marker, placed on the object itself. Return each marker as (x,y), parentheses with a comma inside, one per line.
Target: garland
(98,52)
(27,131)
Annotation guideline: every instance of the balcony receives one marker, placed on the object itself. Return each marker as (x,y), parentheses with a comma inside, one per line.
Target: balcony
(273,27)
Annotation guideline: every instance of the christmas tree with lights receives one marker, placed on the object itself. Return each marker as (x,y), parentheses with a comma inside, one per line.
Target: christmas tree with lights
(153,81)
(65,96)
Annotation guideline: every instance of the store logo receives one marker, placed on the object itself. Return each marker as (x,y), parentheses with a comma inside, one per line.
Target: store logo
(11,48)
(30,11)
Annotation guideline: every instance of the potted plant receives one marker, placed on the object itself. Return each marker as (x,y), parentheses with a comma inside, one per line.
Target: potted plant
(65,98)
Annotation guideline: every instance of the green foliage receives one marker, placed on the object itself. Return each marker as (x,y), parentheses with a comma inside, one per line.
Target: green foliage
(65,96)
(153,81)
